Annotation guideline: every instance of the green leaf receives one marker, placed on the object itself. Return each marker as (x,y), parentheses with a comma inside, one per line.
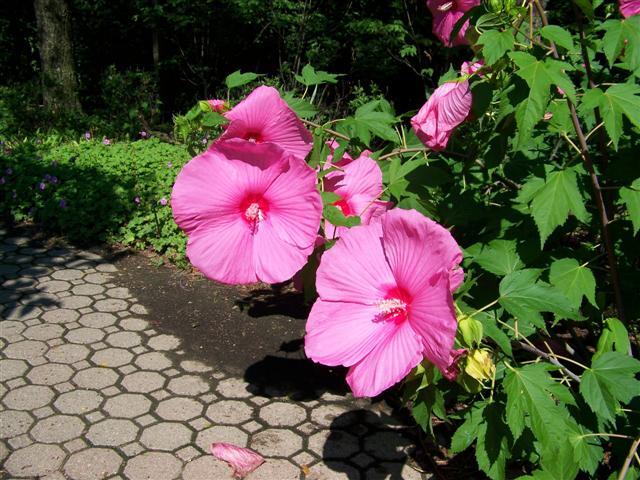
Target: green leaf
(609,382)
(495,44)
(557,460)
(558,35)
(619,35)
(552,204)
(237,79)
(494,442)
(587,451)
(533,393)
(335,216)
(499,257)
(614,337)
(303,108)
(587,8)
(617,100)
(329,198)
(468,431)
(213,119)
(574,280)
(525,297)
(556,70)
(630,196)
(310,76)
(493,331)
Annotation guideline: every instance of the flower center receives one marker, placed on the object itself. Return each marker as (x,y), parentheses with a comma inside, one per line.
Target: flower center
(394,307)
(254,211)
(445,7)
(252,136)
(344,207)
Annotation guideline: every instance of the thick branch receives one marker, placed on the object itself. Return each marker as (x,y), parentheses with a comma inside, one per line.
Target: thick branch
(597,192)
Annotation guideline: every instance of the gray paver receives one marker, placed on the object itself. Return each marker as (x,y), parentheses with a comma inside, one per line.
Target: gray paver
(112,432)
(78,401)
(127,405)
(14,423)
(153,466)
(50,374)
(179,408)
(28,397)
(57,429)
(36,460)
(92,464)
(166,436)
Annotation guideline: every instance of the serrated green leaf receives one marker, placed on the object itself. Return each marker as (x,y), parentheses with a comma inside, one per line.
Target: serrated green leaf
(552,204)
(587,8)
(213,119)
(468,431)
(557,460)
(619,35)
(530,393)
(303,108)
(556,70)
(614,102)
(329,198)
(609,382)
(499,257)
(558,35)
(630,196)
(614,337)
(493,331)
(493,442)
(495,44)
(335,216)
(237,79)
(525,297)
(310,76)
(587,452)
(574,280)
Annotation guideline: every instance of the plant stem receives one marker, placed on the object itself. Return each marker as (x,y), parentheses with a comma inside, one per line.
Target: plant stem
(400,151)
(328,130)
(551,358)
(627,461)
(597,192)
(615,435)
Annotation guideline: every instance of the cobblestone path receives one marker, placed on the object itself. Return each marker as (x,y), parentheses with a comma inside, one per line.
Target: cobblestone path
(90,390)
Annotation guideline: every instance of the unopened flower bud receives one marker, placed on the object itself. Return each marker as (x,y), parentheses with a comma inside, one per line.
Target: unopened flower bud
(480,365)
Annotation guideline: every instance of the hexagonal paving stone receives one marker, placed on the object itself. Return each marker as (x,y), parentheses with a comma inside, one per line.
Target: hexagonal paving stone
(11,328)
(164,342)
(326,415)
(335,471)
(112,357)
(78,401)
(153,361)
(20,312)
(135,324)
(95,378)
(386,445)
(112,432)
(43,332)
(98,320)
(230,412)
(207,467)
(166,436)
(67,353)
(57,429)
(333,444)
(60,315)
(127,405)
(182,409)
(124,339)
(26,350)
(281,414)
(67,274)
(13,423)
(75,302)
(234,388)
(97,278)
(87,289)
(143,382)
(153,466)
(11,369)
(85,335)
(36,460)
(55,286)
(188,385)
(28,397)
(276,442)
(118,292)
(111,305)
(277,468)
(50,374)
(392,470)
(92,464)
(221,434)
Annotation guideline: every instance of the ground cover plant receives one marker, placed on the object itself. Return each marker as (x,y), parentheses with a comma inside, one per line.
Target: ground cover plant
(480,251)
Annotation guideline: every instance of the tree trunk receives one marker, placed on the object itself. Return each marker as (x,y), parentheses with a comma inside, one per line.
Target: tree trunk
(60,87)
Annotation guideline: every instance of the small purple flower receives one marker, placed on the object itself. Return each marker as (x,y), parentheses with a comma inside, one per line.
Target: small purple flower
(47,177)
(163,201)
(143,134)
(136,200)
(87,135)
(169,165)
(2,181)
(8,171)
(42,186)
(53,179)
(204,141)
(106,141)
(62,203)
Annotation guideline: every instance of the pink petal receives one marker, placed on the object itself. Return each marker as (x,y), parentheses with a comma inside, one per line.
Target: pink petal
(264,117)
(242,460)
(361,177)
(433,318)
(391,361)
(355,270)
(342,333)
(341,162)
(629,8)
(452,371)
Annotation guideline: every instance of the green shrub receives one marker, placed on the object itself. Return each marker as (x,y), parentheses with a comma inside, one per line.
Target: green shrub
(92,192)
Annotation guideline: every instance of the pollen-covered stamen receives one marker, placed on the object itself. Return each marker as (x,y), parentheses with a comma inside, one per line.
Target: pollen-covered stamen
(445,7)
(254,215)
(392,309)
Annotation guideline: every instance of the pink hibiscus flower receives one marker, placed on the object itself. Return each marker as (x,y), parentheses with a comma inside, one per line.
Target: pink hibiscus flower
(251,212)
(242,460)
(331,162)
(446,108)
(446,14)
(359,185)
(218,105)
(385,301)
(629,8)
(263,117)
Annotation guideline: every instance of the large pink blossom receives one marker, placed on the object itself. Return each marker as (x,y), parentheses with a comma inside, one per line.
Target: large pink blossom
(264,117)
(629,8)
(242,460)
(251,212)
(385,301)
(446,108)
(446,14)
(359,185)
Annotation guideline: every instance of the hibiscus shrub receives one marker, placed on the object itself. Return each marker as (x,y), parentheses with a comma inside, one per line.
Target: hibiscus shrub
(484,257)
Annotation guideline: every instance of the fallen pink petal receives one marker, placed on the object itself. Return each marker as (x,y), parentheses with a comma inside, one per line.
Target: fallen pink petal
(242,460)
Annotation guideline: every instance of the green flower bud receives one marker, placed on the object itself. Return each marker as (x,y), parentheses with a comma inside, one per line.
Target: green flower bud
(471,330)
(480,365)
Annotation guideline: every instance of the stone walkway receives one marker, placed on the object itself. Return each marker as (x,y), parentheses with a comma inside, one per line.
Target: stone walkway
(90,390)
